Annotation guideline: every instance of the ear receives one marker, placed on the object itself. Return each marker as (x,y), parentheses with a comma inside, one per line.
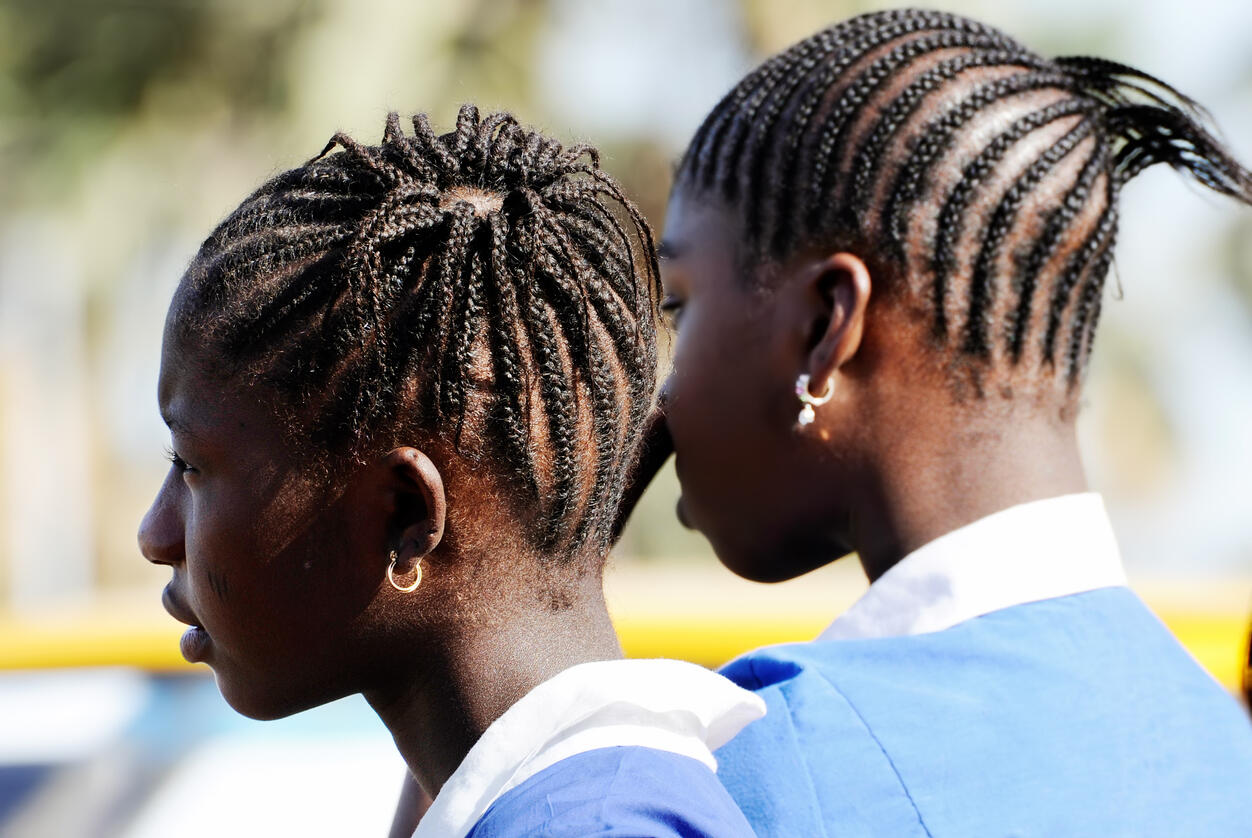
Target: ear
(420,507)
(841,287)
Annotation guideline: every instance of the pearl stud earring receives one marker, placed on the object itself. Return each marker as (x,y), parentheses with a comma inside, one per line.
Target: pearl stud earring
(807,413)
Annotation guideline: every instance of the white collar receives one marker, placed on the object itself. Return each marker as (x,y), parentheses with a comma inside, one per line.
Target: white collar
(662,704)
(1035,551)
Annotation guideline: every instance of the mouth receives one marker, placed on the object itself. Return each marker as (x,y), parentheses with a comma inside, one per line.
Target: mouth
(194,644)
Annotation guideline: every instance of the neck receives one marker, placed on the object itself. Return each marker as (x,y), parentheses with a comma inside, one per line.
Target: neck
(946,474)
(490,659)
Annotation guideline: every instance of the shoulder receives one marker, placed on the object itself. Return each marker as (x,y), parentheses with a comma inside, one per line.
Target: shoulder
(826,765)
(1088,693)
(619,791)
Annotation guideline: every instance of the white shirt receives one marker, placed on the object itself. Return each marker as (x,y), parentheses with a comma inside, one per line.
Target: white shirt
(1035,551)
(667,705)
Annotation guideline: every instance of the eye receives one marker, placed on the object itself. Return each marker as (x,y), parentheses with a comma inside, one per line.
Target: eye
(672,309)
(177,461)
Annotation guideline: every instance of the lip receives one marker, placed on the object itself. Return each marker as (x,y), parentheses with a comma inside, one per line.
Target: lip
(175,607)
(194,644)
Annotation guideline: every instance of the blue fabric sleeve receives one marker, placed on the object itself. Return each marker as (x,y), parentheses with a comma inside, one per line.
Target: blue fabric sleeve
(1078,715)
(622,792)
(811,768)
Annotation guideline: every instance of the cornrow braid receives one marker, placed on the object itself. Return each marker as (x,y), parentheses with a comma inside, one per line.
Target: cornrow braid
(1059,219)
(1063,288)
(832,142)
(934,146)
(840,60)
(488,286)
(955,211)
(980,178)
(982,282)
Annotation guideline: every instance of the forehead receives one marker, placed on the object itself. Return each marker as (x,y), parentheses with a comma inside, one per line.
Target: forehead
(211,408)
(701,236)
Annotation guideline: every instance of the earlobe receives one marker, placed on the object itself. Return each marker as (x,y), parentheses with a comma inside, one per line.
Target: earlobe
(421,507)
(843,283)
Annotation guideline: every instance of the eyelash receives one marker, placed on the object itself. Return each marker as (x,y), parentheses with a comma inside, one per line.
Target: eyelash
(672,308)
(177,461)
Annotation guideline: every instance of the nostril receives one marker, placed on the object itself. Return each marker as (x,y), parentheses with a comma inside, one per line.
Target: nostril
(152,549)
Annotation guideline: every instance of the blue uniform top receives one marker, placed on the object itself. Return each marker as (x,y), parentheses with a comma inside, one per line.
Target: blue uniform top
(1078,715)
(619,792)
(1000,680)
(613,748)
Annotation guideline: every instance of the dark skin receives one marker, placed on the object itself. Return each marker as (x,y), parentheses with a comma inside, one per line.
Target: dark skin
(282,572)
(895,458)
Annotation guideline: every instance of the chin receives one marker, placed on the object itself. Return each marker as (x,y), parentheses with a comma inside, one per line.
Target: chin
(772,564)
(247,700)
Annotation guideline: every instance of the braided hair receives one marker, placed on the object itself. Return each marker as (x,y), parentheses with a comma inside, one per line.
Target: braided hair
(980,178)
(488,285)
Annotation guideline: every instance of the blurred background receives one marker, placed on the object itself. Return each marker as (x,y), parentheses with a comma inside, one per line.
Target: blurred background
(128,128)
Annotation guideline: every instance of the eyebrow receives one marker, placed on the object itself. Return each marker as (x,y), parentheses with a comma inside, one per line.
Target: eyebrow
(176,424)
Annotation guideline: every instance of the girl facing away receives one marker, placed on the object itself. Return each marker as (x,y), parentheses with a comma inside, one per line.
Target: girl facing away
(884,256)
(404,383)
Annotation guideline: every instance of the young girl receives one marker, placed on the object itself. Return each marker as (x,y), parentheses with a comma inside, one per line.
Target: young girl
(884,257)
(404,383)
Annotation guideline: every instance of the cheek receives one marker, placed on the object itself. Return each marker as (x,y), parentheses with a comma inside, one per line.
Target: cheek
(698,380)
(270,592)
(720,421)
(721,390)
(230,576)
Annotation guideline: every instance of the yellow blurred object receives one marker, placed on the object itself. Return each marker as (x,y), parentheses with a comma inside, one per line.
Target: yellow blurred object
(1217,641)
(660,611)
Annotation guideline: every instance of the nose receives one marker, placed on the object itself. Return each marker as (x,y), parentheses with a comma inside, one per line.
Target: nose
(161,534)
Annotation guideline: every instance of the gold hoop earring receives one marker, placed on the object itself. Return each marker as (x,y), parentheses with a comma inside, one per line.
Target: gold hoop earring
(391,576)
(807,413)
